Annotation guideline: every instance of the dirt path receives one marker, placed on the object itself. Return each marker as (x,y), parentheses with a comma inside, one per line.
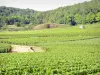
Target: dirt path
(21,48)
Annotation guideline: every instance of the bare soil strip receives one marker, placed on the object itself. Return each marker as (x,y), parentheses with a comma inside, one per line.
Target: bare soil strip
(21,48)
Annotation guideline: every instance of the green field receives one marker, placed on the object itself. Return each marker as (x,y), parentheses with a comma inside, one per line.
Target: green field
(69,51)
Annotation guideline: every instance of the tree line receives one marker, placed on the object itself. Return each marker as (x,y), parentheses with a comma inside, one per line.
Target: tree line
(81,13)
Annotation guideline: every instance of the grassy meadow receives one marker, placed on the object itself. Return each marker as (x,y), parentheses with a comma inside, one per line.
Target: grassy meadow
(68,51)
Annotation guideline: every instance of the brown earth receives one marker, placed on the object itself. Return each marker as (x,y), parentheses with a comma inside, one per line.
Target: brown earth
(21,48)
(48,26)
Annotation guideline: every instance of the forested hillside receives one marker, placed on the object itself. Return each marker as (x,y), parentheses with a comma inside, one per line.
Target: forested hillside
(82,13)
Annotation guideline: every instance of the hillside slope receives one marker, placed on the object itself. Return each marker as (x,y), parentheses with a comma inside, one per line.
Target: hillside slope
(82,13)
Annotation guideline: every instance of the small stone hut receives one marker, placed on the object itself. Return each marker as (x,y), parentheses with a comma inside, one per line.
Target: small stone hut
(82,27)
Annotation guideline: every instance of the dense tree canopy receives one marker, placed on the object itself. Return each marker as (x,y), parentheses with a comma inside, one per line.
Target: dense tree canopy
(82,13)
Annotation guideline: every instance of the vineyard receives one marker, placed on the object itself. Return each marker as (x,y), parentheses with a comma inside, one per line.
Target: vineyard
(68,51)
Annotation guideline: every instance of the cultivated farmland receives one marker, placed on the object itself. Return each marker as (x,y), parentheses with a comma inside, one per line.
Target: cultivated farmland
(67,51)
